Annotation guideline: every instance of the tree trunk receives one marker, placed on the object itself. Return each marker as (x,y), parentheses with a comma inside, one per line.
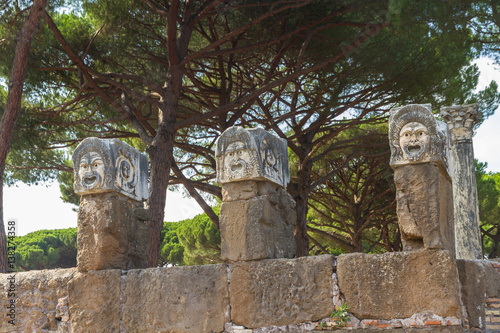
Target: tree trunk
(13,104)
(160,174)
(300,193)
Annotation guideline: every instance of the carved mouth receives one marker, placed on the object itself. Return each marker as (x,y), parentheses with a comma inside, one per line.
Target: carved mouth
(237,167)
(90,181)
(414,148)
(414,151)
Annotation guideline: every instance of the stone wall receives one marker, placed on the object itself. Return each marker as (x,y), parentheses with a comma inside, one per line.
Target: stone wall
(480,282)
(420,290)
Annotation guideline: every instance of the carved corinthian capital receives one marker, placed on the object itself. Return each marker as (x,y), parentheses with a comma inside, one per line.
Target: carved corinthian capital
(461,120)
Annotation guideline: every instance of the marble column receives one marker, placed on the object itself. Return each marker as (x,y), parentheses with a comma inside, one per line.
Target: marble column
(461,120)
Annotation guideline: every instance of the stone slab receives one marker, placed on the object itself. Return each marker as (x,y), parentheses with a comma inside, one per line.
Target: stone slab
(109,235)
(281,291)
(473,287)
(37,295)
(493,279)
(400,284)
(261,227)
(179,299)
(94,301)
(451,329)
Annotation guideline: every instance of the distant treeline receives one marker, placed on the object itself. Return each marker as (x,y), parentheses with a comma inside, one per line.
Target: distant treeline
(193,241)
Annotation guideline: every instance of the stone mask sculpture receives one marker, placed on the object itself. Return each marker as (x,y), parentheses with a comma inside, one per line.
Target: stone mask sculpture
(415,136)
(105,165)
(244,154)
(414,140)
(91,171)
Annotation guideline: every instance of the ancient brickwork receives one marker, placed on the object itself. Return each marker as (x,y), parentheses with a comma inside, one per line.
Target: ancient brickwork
(480,288)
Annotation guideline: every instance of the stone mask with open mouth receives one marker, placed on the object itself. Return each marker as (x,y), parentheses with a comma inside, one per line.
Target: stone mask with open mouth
(91,171)
(414,140)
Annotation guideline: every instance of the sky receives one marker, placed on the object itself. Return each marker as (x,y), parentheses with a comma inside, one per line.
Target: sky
(40,207)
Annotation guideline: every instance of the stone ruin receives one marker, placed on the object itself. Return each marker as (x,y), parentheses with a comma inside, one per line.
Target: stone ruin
(260,288)
(102,165)
(251,154)
(112,179)
(257,216)
(420,158)
(461,120)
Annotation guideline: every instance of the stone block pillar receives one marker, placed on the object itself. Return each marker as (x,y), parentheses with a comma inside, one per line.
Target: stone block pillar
(461,121)
(419,157)
(112,179)
(257,216)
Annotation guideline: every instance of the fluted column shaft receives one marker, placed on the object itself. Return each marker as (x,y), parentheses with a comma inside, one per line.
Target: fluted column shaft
(461,120)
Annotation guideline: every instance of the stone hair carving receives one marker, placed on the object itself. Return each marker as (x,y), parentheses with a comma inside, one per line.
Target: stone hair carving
(244,154)
(105,165)
(416,137)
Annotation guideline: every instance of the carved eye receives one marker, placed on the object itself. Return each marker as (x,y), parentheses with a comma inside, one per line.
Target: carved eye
(96,165)
(240,152)
(230,154)
(407,135)
(421,134)
(84,166)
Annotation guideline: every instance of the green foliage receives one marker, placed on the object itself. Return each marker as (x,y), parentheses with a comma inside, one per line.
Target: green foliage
(488,193)
(353,206)
(66,180)
(341,314)
(46,249)
(171,251)
(193,241)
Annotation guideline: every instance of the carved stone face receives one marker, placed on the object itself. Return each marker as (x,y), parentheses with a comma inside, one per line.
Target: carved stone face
(237,161)
(125,170)
(91,171)
(414,140)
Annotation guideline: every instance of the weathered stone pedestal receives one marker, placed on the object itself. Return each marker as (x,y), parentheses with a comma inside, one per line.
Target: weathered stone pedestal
(257,216)
(461,120)
(111,177)
(257,221)
(424,207)
(110,235)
